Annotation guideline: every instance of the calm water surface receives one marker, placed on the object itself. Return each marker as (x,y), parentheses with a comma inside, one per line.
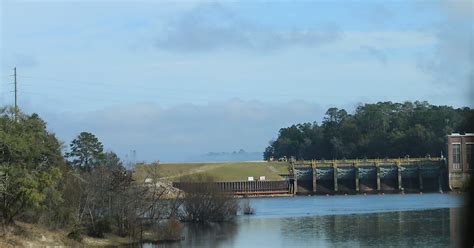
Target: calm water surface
(428,220)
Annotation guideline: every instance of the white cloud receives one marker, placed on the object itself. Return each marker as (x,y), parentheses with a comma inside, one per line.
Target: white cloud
(451,62)
(210,27)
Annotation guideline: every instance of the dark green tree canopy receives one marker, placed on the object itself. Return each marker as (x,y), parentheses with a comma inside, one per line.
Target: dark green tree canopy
(86,151)
(30,161)
(379,130)
(112,161)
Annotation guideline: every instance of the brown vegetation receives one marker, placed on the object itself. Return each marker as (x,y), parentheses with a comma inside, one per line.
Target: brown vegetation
(205,202)
(247,209)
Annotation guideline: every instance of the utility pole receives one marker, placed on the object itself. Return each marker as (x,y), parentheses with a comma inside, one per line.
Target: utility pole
(16,89)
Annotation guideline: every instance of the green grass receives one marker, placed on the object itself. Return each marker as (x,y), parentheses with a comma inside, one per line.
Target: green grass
(229,171)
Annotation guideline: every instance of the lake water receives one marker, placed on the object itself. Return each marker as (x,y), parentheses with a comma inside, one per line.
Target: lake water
(411,220)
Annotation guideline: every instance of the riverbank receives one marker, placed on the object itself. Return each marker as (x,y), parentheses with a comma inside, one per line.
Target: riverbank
(33,235)
(384,213)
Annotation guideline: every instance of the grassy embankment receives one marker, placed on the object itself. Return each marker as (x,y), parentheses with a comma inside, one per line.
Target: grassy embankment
(223,172)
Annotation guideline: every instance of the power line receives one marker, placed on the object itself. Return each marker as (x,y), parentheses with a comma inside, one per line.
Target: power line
(148,88)
(151,91)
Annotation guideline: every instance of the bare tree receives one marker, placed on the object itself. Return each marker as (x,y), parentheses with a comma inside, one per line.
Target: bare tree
(204,201)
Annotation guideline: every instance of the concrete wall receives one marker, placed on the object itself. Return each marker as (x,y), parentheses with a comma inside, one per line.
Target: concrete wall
(459,177)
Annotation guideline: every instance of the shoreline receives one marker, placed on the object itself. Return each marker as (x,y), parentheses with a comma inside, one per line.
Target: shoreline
(243,196)
(23,234)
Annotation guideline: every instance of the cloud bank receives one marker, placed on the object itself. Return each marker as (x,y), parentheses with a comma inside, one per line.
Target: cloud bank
(176,133)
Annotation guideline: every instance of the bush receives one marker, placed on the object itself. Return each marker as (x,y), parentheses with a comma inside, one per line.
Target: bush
(171,230)
(76,234)
(247,208)
(204,201)
(100,228)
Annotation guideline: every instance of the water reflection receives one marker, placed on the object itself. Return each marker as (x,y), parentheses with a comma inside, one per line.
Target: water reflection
(303,228)
(427,228)
(430,228)
(212,235)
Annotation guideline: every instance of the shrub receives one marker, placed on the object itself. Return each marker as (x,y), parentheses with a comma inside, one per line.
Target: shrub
(99,229)
(76,234)
(171,230)
(204,201)
(247,208)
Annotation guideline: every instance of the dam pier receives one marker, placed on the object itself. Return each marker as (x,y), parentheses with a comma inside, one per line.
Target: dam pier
(367,176)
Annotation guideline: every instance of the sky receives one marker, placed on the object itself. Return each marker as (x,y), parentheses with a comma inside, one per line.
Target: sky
(175,79)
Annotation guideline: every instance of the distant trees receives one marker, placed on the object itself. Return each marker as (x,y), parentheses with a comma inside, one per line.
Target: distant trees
(104,195)
(92,193)
(384,129)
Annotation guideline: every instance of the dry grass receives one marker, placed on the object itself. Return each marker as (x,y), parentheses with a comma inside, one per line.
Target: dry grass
(29,235)
(227,171)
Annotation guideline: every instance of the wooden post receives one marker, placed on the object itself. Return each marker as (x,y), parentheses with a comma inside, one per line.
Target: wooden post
(356,171)
(313,166)
(420,177)
(399,170)
(440,174)
(295,179)
(377,167)
(334,166)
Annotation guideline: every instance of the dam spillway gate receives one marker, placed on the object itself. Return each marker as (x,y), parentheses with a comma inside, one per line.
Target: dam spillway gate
(339,177)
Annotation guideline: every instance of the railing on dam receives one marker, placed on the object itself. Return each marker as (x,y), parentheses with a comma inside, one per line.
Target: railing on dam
(348,162)
(375,175)
(246,187)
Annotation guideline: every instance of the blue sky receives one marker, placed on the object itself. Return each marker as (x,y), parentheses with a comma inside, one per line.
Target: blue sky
(172,79)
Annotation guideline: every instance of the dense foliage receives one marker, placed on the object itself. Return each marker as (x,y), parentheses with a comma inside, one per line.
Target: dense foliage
(30,166)
(380,130)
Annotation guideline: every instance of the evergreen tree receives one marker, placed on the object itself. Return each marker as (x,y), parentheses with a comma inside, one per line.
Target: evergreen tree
(86,151)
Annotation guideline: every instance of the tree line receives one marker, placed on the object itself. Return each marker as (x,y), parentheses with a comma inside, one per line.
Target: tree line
(87,191)
(380,130)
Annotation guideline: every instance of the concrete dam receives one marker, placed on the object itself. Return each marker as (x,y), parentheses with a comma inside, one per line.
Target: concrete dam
(368,176)
(346,177)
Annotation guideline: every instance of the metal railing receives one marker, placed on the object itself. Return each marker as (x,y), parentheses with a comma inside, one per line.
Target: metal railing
(376,162)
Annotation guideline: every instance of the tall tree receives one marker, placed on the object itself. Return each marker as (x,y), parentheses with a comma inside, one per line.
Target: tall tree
(86,151)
